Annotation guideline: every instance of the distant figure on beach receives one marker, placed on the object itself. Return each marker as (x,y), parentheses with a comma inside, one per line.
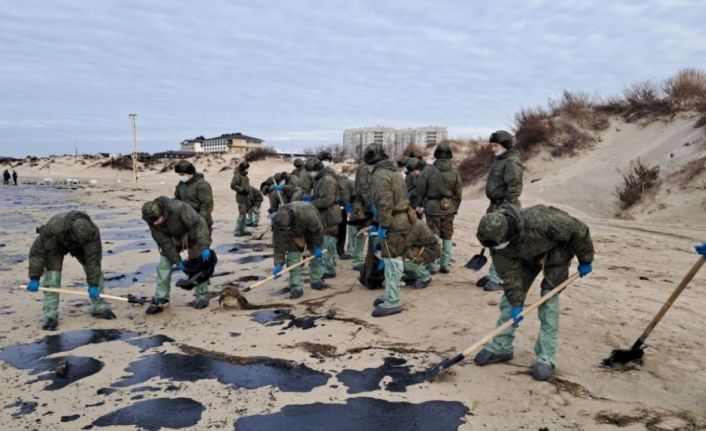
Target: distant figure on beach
(14,176)
(6,178)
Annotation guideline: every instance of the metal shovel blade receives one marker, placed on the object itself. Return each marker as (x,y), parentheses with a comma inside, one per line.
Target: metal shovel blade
(442,367)
(623,356)
(477,262)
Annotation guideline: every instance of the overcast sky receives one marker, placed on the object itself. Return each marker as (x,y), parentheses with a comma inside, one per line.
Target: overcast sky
(297,73)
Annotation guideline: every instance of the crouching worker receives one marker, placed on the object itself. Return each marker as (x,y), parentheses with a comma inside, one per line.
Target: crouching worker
(176,226)
(297,226)
(71,232)
(523,243)
(422,249)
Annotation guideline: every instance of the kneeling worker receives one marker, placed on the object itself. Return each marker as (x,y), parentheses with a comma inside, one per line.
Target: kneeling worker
(71,232)
(422,249)
(523,243)
(176,226)
(296,226)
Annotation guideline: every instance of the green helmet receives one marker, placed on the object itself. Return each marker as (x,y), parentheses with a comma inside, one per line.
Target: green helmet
(413,164)
(313,164)
(374,153)
(501,137)
(325,155)
(151,211)
(243,166)
(402,161)
(492,229)
(184,167)
(298,163)
(83,230)
(443,151)
(279,176)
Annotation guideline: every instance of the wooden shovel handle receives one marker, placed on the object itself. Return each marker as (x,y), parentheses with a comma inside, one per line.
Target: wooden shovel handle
(284,271)
(80,293)
(554,292)
(665,307)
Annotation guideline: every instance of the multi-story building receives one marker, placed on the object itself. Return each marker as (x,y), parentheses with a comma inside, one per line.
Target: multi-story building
(393,140)
(234,143)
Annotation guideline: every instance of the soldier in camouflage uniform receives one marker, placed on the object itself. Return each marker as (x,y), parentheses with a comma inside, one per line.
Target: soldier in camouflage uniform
(176,226)
(71,232)
(194,190)
(344,230)
(441,189)
(503,186)
(297,226)
(241,185)
(390,224)
(361,215)
(525,243)
(422,248)
(325,199)
(415,167)
(253,217)
(303,180)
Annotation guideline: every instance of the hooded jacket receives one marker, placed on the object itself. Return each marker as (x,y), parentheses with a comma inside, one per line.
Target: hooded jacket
(241,185)
(197,193)
(504,183)
(180,220)
(327,197)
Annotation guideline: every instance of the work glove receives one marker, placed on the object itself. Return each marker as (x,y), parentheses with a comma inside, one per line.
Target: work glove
(179,266)
(382,233)
(93,292)
(585,269)
(701,249)
(381,265)
(33,285)
(307,198)
(206,254)
(348,208)
(373,231)
(515,313)
(279,187)
(318,253)
(372,209)
(277,270)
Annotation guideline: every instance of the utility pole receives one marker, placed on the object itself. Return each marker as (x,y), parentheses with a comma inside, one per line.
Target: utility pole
(134,145)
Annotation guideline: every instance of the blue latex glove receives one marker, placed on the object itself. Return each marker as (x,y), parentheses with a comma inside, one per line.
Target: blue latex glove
(206,254)
(33,285)
(318,253)
(515,313)
(277,270)
(701,249)
(93,292)
(307,198)
(373,231)
(381,265)
(585,269)
(279,187)
(348,208)
(382,233)
(372,209)
(179,266)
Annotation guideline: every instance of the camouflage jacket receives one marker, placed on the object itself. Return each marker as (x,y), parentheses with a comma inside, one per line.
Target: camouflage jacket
(422,247)
(326,199)
(241,185)
(182,226)
(347,189)
(304,181)
(55,239)
(256,197)
(540,236)
(440,181)
(504,184)
(197,193)
(306,229)
(389,194)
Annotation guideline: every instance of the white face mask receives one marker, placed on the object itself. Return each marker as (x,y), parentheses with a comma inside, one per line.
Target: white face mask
(184,178)
(501,246)
(499,152)
(313,174)
(326,163)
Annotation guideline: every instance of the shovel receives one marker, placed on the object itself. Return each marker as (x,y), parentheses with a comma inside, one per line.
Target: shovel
(243,301)
(478,261)
(440,368)
(131,299)
(264,232)
(637,351)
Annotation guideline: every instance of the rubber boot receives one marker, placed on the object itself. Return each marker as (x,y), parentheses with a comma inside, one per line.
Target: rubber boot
(329,259)
(256,218)
(50,306)
(201,295)
(98,306)
(296,285)
(446,259)
(394,267)
(240,227)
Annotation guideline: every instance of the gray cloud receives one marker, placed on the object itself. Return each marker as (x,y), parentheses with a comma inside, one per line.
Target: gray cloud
(298,73)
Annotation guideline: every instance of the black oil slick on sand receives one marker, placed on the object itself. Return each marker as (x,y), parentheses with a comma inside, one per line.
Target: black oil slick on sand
(236,372)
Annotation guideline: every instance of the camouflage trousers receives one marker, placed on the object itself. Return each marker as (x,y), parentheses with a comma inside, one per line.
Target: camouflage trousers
(295,275)
(51,300)
(327,264)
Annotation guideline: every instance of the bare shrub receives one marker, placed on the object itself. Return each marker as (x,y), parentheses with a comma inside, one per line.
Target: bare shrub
(123,163)
(533,128)
(476,164)
(687,89)
(637,180)
(259,154)
(413,150)
(689,172)
(338,152)
(645,101)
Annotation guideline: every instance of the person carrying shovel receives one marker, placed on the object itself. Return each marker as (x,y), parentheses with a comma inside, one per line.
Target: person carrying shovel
(525,242)
(70,232)
(297,226)
(176,226)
